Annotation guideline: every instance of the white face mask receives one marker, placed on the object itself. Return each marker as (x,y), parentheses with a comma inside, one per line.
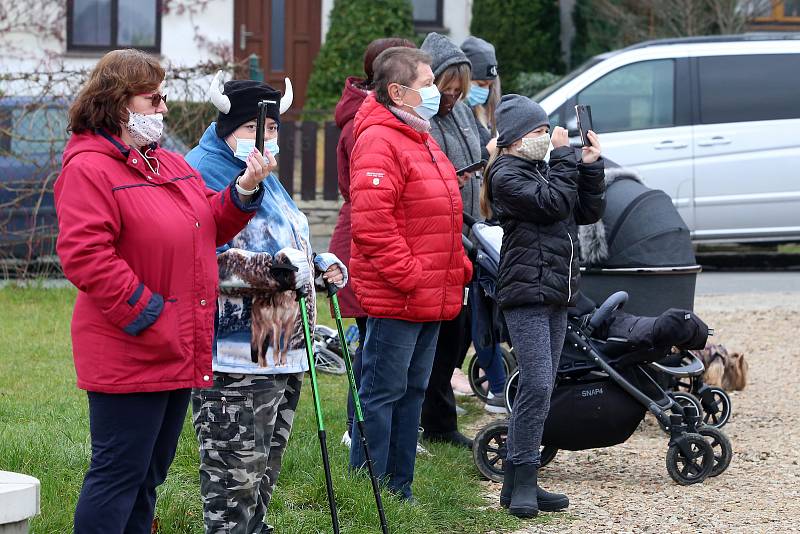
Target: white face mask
(534,148)
(145,129)
(245,146)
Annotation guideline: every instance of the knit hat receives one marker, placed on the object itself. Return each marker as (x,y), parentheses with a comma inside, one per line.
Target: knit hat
(481,55)
(444,52)
(516,116)
(238,102)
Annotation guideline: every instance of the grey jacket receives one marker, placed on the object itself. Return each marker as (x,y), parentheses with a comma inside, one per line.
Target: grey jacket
(458,137)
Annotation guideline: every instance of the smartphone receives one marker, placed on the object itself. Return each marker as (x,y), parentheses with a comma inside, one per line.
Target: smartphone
(478,165)
(261,120)
(584,114)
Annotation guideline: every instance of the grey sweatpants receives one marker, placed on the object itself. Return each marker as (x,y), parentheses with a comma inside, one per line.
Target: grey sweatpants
(537,333)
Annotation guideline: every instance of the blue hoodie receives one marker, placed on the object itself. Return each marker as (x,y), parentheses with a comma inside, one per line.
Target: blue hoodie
(278,223)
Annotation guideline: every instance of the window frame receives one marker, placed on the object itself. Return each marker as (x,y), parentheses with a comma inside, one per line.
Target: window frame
(680,115)
(113,45)
(437,23)
(778,14)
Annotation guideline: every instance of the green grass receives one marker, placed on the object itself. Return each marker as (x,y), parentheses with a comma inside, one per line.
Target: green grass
(44,433)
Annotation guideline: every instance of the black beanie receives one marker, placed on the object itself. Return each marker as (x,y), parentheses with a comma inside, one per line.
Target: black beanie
(245,96)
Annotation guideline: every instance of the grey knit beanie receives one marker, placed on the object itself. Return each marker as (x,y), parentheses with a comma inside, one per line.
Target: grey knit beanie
(481,55)
(444,52)
(517,115)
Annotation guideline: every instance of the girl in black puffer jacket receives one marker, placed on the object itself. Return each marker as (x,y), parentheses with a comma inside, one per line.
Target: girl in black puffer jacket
(539,205)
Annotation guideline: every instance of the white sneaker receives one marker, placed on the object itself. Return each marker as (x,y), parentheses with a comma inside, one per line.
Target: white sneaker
(422,451)
(346,439)
(495,404)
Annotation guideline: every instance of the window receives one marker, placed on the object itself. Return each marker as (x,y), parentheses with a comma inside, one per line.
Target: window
(786,10)
(749,88)
(99,25)
(635,97)
(277,39)
(427,13)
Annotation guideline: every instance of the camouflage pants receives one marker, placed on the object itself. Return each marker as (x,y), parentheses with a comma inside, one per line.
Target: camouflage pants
(242,424)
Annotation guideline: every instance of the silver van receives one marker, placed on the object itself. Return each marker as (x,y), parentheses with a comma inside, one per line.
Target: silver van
(712,121)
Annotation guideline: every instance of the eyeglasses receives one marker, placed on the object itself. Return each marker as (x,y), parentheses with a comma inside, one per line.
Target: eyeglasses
(155,98)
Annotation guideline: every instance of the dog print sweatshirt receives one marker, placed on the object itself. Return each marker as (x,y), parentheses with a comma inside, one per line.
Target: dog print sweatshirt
(258,328)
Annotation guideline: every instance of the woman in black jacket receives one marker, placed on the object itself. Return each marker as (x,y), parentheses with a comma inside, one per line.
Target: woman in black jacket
(539,206)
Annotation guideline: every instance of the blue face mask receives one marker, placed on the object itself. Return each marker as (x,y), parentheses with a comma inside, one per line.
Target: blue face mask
(430,101)
(477,95)
(245,146)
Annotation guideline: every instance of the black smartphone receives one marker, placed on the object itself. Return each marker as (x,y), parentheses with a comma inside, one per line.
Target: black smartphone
(261,120)
(584,114)
(472,167)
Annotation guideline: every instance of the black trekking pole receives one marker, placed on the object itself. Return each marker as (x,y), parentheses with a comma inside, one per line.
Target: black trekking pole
(323,444)
(359,415)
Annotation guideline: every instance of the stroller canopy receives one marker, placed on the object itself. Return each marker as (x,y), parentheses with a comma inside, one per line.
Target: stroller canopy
(642,227)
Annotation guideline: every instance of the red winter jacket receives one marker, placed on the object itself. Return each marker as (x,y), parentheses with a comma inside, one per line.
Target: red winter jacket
(346,109)
(408,261)
(140,247)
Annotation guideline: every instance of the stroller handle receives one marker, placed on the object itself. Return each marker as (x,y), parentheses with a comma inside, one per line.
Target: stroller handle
(612,303)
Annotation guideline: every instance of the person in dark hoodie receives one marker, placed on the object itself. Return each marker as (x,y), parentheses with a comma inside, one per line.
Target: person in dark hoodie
(456,132)
(244,420)
(484,90)
(353,95)
(539,206)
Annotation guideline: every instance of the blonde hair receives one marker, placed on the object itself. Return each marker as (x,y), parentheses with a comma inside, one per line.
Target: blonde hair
(486,184)
(460,73)
(486,112)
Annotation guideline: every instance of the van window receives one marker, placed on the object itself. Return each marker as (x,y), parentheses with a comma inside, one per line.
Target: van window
(639,96)
(749,88)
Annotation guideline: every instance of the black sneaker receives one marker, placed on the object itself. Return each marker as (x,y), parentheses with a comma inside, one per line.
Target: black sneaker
(455,438)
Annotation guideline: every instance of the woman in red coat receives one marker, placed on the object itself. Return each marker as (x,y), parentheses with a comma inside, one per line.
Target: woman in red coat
(353,95)
(408,267)
(137,236)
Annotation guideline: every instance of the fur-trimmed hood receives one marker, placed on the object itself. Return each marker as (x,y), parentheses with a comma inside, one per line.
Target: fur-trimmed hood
(592,237)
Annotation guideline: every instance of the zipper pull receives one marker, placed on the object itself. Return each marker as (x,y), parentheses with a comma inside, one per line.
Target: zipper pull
(224,405)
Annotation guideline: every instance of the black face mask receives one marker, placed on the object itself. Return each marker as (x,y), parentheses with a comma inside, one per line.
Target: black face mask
(446,104)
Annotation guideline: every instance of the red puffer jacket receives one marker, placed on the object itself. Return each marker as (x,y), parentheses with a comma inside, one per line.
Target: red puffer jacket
(408,261)
(346,110)
(140,247)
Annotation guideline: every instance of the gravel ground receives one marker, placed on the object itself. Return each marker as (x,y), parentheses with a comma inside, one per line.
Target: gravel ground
(626,489)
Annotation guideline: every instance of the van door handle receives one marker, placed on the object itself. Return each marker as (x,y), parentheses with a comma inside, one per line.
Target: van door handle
(669,144)
(715,141)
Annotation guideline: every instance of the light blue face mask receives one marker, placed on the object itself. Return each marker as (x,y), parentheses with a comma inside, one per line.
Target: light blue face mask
(477,95)
(430,101)
(245,146)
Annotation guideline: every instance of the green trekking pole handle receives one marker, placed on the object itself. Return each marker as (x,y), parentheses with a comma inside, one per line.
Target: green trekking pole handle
(323,443)
(376,490)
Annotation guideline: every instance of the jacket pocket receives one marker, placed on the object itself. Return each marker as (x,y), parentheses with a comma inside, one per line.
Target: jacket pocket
(161,341)
(225,420)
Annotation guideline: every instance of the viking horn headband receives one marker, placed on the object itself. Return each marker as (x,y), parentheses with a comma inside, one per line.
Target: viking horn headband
(223,103)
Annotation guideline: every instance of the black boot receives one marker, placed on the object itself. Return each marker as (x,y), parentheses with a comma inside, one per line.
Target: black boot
(551,502)
(523,497)
(454,438)
(508,483)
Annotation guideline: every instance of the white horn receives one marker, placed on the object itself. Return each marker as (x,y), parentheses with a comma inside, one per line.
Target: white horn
(222,102)
(288,96)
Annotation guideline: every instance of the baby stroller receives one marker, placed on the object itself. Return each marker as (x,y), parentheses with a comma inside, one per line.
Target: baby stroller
(604,387)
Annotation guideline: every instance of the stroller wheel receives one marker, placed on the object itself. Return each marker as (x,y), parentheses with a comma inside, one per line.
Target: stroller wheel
(716,407)
(695,465)
(327,361)
(489,450)
(478,381)
(687,399)
(723,451)
(511,390)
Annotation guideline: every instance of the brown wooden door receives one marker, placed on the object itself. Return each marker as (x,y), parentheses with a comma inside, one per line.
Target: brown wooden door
(285,34)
